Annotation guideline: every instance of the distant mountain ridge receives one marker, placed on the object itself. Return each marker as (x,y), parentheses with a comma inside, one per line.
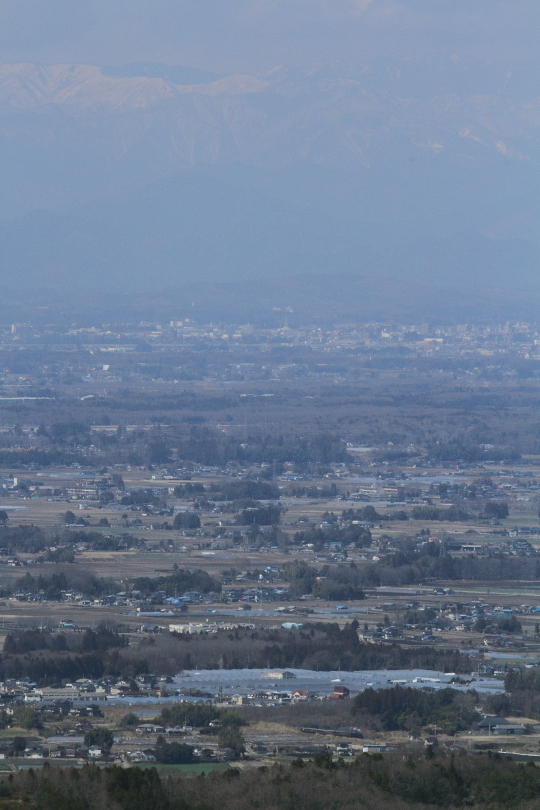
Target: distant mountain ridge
(87,87)
(177,74)
(417,171)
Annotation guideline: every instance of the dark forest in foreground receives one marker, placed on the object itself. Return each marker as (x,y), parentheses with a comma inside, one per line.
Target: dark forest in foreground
(369,782)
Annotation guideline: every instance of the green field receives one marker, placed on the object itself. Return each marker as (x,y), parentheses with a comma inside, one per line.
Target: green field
(196,768)
(531,591)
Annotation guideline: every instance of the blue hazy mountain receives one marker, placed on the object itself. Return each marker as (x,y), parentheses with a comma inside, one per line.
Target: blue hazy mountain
(177,74)
(422,171)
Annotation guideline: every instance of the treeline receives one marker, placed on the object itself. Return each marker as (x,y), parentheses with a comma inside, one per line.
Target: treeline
(207,447)
(370,514)
(523,694)
(312,492)
(380,783)
(177,584)
(317,646)
(347,581)
(39,458)
(173,753)
(47,657)
(141,497)
(238,490)
(131,399)
(176,442)
(188,490)
(49,666)
(25,641)
(204,717)
(319,538)
(411,567)
(258,515)
(186,520)
(341,582)
(452,514)
(412,709)
(51,587)
(32,539)
(98,541)
(26,539)
(198,715)
(336,582)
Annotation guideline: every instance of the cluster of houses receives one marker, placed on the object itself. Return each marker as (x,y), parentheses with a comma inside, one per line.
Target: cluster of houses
(84,692)
(493,724)
(461,617)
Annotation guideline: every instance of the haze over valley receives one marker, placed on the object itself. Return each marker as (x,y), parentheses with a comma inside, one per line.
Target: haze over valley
(402,171)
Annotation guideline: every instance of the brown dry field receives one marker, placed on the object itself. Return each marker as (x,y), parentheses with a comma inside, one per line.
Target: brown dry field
(49,514)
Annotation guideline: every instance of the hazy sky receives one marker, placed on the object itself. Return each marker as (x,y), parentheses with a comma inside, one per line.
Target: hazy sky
(255,35)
